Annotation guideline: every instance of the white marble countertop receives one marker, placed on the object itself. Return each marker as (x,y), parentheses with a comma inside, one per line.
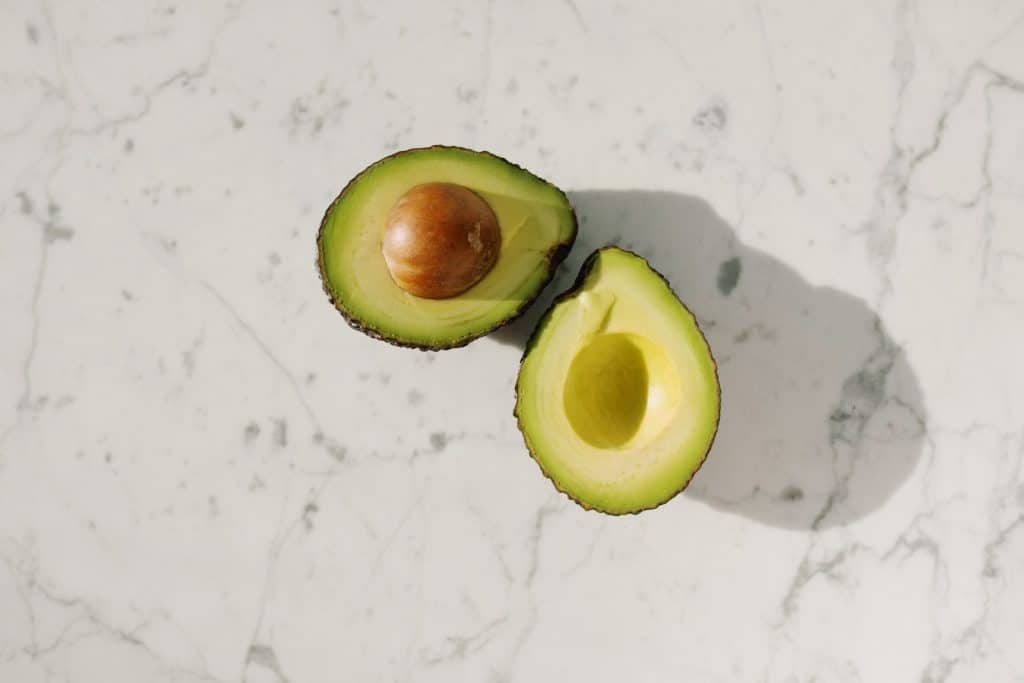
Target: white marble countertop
(205,475)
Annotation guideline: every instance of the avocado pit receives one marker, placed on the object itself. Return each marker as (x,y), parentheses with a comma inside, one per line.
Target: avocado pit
(440,240)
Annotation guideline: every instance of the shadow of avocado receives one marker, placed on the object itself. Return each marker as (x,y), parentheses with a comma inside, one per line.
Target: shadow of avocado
(822,416)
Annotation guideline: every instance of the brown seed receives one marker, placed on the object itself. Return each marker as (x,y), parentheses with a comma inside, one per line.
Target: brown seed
(440,240)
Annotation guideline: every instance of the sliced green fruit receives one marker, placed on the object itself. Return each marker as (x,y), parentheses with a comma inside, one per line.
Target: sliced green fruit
(537,223)
(618,396)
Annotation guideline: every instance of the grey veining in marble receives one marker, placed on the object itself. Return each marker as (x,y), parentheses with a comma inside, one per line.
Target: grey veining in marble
(205,475)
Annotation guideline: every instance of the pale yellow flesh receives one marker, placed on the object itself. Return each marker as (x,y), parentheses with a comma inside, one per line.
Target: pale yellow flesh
(618,395)
(532,215)
(621,391)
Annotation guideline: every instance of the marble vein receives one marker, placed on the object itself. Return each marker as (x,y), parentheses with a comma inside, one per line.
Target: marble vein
(843,221)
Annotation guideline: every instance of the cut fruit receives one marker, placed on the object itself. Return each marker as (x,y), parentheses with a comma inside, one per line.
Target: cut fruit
(618,396)
(537,228)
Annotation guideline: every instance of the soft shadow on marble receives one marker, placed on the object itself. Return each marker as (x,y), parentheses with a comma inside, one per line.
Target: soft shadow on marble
(822,416)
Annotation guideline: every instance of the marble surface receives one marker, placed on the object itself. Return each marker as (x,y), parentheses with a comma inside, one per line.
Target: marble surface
(206,476)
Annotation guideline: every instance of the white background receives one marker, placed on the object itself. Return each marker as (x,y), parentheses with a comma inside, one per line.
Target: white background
(206,476)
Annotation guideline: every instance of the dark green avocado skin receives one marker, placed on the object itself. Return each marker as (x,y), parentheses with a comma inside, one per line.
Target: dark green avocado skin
(585,269)
(554,257)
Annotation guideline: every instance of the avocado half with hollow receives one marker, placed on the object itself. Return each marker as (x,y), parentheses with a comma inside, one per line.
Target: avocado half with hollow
(618,396)
(434,247)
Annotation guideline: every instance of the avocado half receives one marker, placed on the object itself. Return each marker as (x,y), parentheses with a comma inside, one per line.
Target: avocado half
(617,396)
(538,227)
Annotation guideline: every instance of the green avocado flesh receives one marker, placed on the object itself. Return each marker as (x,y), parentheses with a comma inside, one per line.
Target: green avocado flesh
(537,227)
(618,396)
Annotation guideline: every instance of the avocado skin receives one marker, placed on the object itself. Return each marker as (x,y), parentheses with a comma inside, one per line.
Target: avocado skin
(585,268)
(554,257)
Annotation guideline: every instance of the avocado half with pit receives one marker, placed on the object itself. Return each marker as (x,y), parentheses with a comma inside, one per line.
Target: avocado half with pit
(434,247)
(618,396)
